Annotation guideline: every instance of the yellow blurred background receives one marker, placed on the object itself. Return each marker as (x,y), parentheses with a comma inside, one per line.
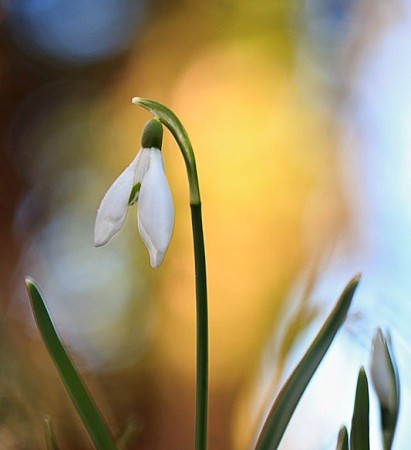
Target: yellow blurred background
(278,106)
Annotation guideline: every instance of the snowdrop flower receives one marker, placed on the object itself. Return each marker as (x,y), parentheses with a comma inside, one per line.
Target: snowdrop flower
(384,375)
(144,181)
(383,370)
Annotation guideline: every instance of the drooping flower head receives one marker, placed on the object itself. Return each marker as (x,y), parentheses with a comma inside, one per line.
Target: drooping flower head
(143,181)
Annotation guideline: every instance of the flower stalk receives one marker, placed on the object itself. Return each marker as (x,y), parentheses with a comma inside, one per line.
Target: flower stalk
(202,329)
(171,121)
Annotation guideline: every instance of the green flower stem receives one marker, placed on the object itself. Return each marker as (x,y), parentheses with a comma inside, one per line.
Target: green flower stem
(171,121)
(202,329)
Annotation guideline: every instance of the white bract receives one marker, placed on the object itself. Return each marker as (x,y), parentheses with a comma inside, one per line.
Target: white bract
(143,180)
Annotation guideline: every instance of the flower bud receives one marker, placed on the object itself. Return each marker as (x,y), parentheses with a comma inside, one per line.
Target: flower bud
(384,375)
(152,135)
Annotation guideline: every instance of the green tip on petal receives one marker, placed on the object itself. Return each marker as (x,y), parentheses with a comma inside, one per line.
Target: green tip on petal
(152,134)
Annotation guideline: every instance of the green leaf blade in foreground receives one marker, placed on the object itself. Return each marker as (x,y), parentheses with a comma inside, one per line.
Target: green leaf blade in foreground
(81,398)
(290,394)
(360,427)
(342,442)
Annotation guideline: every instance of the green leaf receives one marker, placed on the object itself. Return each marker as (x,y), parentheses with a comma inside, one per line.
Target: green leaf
(81,398)
(51,443)
(342,442)
(290,394)
(173,123)
(360,427)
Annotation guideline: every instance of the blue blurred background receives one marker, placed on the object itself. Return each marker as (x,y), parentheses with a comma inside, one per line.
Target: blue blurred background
(299,112)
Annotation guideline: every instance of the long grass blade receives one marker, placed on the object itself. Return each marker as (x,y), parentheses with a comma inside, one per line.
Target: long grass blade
(81,398)
(360,426)
(290,394)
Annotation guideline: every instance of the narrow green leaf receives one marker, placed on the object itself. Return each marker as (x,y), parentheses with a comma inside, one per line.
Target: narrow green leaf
(290,394)
(173,123)
(51,443)
(360,427)
(75,386)
(342,442)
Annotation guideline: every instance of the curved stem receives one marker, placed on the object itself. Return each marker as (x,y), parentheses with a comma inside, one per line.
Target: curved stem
(171,121)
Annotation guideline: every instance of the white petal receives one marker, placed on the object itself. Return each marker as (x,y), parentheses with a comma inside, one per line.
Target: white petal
(113,208)
(155,210)
(142,165)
